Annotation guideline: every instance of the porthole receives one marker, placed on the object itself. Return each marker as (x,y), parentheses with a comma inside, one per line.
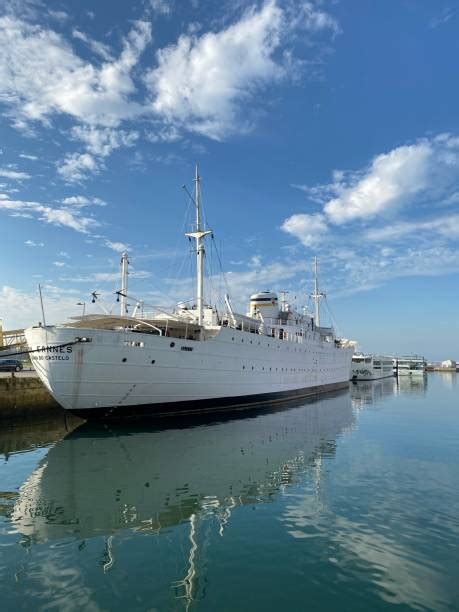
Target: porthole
(152,361)
(124,360)
(172,344)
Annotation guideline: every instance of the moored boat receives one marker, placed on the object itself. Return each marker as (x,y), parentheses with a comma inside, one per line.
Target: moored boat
(371,367)
(411,365)
(194,358)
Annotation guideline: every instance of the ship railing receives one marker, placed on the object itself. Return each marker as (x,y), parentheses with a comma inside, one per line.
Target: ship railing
(275,330)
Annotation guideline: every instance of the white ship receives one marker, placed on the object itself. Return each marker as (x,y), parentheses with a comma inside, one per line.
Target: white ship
(371,367)
(412,365)
(192,359)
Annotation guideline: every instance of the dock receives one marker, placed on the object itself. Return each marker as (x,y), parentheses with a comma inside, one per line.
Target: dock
(23,397)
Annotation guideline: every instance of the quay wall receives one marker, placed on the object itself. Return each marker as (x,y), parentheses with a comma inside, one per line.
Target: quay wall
(24,398)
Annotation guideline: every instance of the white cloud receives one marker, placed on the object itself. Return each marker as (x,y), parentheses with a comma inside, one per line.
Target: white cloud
(255,261)
(417,179)
(77,201)
(76,166)
(59,264)
(55,216)
(286,275)
(32,243)
(58,15)
(118,247)
(276,276)
(368,270)
(13,174)
(162,7)
(20,309)
(97,47)
(429,168)
(82,201)
(421,174)
(65,218)
(392,232)
(40,75)
(307,16)
(447,226)
(201,82)
(309,229)
(102,141)
(166,133)
(26,156)
(392,178)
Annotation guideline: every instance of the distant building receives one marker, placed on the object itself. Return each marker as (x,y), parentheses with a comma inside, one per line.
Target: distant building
(449,363)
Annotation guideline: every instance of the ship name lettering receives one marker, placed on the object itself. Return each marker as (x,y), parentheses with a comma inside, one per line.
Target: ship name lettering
(51,357)
(55,349)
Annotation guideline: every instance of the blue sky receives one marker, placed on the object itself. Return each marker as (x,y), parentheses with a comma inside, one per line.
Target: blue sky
(321,128)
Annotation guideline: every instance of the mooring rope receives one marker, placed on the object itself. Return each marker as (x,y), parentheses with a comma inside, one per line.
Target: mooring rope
(44,349)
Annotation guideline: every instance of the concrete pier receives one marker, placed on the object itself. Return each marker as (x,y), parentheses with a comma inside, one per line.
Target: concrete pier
(24,398)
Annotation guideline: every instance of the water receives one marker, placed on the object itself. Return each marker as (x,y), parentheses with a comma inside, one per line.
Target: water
(350,503)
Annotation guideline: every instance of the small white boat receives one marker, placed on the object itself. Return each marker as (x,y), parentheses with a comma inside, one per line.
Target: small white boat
(371,367)
(411,365)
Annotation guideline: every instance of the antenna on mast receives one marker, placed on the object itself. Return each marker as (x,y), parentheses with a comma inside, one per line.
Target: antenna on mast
(124,283)
(42,307)
(198,234)
(316,296)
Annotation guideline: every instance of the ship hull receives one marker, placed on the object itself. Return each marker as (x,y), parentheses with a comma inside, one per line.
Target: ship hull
(118,374)
(371,375)
(414,373)
(205,406)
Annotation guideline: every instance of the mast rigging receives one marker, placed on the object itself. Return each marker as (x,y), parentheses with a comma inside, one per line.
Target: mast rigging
(198,235)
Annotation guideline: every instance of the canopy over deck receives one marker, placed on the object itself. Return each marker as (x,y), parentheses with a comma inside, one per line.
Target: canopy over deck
(165,327)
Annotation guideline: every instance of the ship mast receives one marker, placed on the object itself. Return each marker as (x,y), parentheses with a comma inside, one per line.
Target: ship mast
(124,283)
(316,296)
(198,235)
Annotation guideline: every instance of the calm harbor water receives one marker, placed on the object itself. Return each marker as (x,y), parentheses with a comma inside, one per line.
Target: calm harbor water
(349,502)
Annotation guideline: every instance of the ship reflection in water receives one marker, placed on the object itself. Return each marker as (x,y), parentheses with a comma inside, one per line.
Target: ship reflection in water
(217,513)
(104,481)
(374,391)
(101,480)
